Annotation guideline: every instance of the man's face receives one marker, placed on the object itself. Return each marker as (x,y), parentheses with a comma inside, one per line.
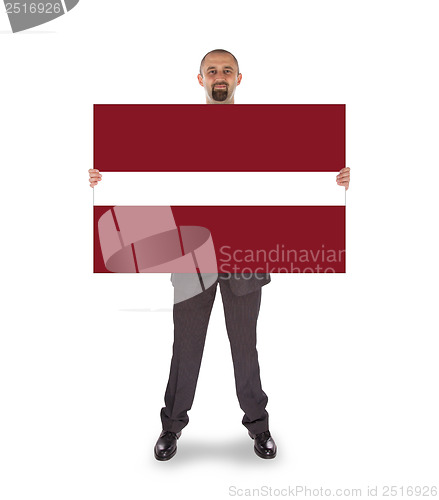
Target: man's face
(219,78)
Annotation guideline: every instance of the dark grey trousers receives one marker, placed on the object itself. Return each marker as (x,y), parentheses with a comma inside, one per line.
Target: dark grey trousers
(191,318)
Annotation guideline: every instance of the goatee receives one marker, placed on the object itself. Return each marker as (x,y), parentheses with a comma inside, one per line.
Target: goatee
(220,95)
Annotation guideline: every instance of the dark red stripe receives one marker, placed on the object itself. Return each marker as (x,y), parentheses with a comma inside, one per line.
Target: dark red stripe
(246,137)
(314,229)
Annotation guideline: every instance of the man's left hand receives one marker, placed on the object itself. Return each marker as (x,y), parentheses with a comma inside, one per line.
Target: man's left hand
(344,177)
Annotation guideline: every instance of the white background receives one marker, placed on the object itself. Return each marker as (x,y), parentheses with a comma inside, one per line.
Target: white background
(349,362)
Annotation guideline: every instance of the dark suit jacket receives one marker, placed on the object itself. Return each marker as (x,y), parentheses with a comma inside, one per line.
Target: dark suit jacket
(240,284)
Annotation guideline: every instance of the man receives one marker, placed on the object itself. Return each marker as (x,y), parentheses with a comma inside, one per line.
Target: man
(219,76)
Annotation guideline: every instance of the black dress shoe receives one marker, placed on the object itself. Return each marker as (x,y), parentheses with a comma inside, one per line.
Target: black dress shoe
(166,446)
(265,447)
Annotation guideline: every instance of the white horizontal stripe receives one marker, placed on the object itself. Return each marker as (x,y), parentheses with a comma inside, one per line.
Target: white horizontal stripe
(219,188)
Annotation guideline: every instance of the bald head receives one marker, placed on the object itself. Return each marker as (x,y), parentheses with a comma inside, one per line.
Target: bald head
(218,51)
(219,75)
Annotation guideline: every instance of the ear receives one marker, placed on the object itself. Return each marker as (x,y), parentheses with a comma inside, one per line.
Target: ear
(239,79)
(200,80)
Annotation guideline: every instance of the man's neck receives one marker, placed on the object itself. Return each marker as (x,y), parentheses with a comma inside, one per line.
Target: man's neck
(213,102)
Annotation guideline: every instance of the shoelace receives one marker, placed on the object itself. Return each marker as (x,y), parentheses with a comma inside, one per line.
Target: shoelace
(170,434)
(264,435)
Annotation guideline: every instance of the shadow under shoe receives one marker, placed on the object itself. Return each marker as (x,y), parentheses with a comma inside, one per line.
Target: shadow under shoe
(166,446)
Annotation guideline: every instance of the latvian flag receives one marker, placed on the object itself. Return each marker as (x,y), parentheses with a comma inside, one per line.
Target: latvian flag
(225,188)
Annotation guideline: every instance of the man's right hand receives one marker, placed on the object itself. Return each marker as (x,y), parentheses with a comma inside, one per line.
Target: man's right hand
(95,177)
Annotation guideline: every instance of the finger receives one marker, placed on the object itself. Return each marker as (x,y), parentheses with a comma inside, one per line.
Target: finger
(347,169)
(93,170)
(343,183)
(95,176)
(343,176)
